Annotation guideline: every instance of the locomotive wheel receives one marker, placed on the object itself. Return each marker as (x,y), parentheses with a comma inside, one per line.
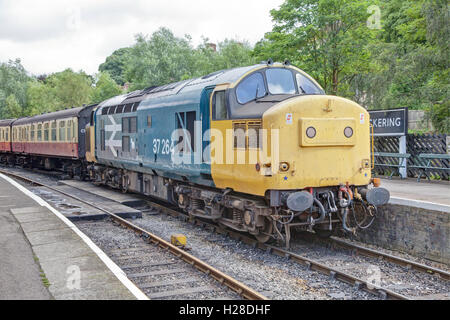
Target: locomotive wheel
(268,228)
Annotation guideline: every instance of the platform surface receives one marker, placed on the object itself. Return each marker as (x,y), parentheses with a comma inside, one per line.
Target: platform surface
(435,192)
(85,191)
(123,198)
(32,237)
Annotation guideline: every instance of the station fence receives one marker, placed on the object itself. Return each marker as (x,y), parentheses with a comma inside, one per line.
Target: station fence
(415,145)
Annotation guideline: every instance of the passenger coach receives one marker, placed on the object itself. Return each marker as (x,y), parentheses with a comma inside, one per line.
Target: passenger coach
(55,139)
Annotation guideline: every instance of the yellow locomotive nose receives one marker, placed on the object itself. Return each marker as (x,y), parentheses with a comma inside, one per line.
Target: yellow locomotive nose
(325,140)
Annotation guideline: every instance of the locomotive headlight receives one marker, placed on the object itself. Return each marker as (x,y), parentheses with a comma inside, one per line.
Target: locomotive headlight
(284,166)
(311,132)
(348,132)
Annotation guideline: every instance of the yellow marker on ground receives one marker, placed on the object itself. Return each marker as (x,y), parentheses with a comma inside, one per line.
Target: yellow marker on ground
(178,239)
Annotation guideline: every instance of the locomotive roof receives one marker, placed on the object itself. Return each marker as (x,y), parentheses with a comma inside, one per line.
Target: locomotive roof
(67,113)
(6,122)
(174,88)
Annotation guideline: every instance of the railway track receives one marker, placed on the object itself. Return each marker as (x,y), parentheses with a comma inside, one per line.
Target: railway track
(313,264)
(360,250)
(164,247)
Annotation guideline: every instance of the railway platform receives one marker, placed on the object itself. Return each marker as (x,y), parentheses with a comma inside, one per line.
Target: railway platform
(44,256)
(437,193)
(416,220)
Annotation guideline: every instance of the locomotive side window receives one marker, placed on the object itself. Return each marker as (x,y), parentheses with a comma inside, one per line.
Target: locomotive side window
(186,122)
(133,125)
(102,135)
(251,88)
(219,106)
(149,121)
(126,143)
(125,125)
(280,81)
(129,125)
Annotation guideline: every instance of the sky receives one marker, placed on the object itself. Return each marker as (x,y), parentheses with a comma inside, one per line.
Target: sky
(50,36)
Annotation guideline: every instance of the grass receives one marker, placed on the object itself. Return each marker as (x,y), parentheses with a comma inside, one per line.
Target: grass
(44,279)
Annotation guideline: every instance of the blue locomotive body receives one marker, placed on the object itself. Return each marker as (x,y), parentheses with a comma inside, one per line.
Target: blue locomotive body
(135,132)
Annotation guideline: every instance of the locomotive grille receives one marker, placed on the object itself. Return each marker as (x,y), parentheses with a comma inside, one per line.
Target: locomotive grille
(239,134)
(247,134)
(254,134)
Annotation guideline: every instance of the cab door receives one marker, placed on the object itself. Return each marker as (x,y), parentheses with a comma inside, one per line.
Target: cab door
(221,148)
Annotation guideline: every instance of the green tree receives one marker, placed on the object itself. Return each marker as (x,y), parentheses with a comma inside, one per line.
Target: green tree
(159,59)
(230,54)
(105,88)
(13,82)
(116,64)
(12,108)
(70,88)
(327,38)
(41,98)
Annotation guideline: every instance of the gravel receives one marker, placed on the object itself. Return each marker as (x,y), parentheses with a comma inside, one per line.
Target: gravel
(116,241)
(400,279)
(273,276)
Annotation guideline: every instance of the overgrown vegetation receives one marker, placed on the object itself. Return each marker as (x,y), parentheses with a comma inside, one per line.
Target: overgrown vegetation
(405,63)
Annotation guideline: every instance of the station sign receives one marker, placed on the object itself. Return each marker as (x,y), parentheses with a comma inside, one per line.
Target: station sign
(393,122)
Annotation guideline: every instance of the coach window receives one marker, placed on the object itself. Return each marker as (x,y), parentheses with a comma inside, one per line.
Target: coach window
(32,132)
(54,131)
(219,106)
(46,131)
(75,130)
(62,131)
(39,132)
(69,131)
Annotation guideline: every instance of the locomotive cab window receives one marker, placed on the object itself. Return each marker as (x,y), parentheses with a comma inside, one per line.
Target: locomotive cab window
(219,107)
(280,81)
(251,88)
(306,86)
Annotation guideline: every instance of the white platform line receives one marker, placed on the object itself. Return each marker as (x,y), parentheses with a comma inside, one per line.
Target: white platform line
(115,269)
(420,204)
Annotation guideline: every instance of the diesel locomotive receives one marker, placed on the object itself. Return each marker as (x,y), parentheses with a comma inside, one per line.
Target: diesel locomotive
(259,149)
